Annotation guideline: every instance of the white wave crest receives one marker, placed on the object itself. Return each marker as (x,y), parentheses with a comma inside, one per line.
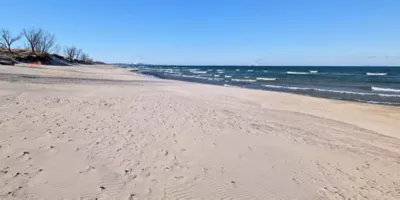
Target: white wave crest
(313,71)
(376,74)
(244,80)
(265,79)
(228,76)
(333,91)
(227,85)
(384,89)
(302,73)
(199,72)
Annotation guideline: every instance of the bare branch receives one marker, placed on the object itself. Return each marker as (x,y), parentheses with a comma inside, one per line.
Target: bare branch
(33,36)
(70,53)
(85,58)
(57,49)
(46,43)
(7,40)
(78,54)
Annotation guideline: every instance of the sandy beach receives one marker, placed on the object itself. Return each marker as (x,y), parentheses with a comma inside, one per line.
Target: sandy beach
(102,132)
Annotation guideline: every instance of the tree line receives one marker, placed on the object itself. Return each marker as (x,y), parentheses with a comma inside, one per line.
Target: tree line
(41,42)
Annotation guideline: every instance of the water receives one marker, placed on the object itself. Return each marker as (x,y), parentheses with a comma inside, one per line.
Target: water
(365,84)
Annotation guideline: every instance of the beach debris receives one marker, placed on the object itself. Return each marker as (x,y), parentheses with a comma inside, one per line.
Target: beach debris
(102,188)
(25,153)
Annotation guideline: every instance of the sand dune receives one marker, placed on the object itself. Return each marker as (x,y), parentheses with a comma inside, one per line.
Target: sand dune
(101,132)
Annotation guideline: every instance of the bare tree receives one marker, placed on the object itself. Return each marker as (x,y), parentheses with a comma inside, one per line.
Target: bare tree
(33,36)
(78,53)
(70,53)
(85,58)
(7,40)
(57,49)
(46,44)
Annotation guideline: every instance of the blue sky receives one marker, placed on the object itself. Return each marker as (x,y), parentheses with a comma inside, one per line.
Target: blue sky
(264,32)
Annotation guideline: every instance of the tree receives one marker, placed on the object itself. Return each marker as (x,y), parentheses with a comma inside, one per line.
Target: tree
(33,36)
(47,43)
(78,53)
(85,58)
(7,40)
(70,53)
(57,49)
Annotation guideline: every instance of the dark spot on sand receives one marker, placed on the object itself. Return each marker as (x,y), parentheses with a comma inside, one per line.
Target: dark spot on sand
(25,153)
(102,188)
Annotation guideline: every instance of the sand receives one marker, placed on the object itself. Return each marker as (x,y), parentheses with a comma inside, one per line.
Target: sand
(103,132)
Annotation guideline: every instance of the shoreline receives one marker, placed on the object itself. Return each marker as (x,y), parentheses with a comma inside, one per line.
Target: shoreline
(263,89)
(105,132)
(373,88)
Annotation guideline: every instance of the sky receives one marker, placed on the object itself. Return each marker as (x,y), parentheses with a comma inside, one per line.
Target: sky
(218,32)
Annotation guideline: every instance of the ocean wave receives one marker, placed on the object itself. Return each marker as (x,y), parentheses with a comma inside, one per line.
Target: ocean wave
(199,72)
(384,89)
(201,77)
(313,71)
(237,70)
(188,76)
(265,70)
(376,74)
(216,75)
(227,85)
(244,80)
(250,70)
(228,76)
(377,102)
(265,79)
(302,73)
(333,91)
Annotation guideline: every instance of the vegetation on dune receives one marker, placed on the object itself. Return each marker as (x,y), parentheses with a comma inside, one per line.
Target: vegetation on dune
(40,46)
